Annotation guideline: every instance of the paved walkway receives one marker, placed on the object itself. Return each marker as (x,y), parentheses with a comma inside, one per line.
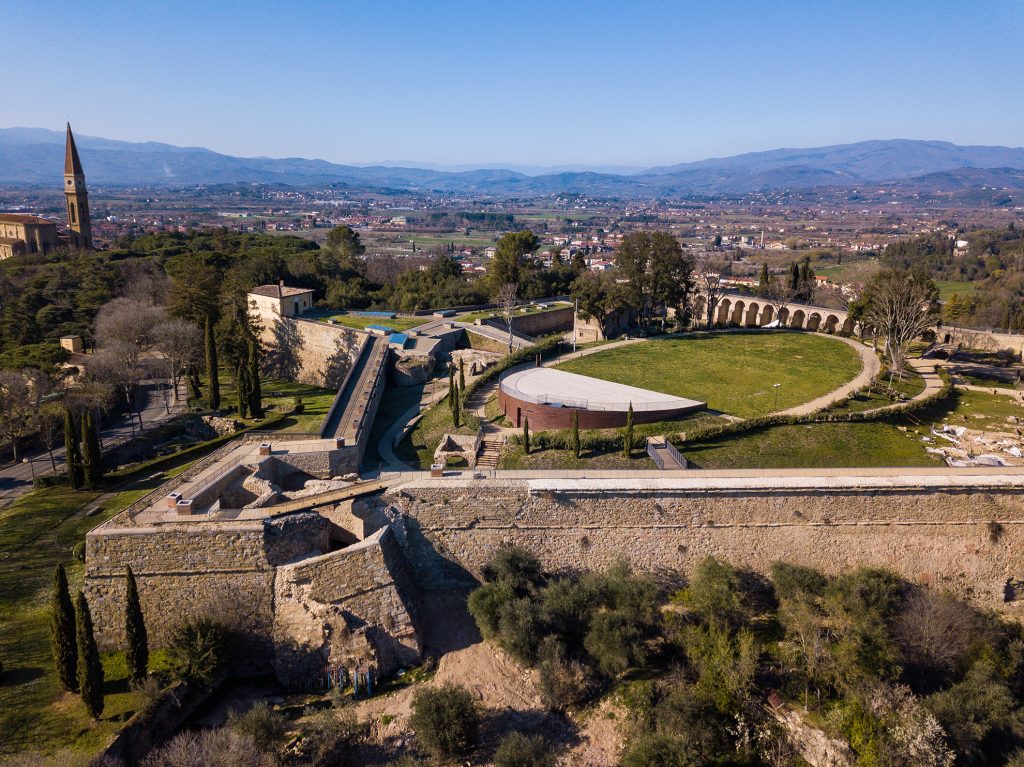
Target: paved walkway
(870,366)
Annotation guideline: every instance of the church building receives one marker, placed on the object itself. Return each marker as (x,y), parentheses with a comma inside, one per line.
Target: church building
(22,234)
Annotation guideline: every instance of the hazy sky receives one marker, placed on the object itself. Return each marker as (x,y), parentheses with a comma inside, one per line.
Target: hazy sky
(515,81)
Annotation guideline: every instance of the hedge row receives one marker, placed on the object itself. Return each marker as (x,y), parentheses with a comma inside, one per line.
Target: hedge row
(543,347)
(910,408)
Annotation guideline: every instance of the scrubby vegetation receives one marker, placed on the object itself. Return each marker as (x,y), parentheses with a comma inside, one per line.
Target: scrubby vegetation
(905,674)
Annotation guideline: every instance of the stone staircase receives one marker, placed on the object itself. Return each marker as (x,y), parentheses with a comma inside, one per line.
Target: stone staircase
(490,451)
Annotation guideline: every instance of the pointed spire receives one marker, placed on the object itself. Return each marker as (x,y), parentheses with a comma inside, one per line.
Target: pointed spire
(72,165)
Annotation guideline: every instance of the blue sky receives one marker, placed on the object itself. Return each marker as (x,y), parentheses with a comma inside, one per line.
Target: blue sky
(517,81)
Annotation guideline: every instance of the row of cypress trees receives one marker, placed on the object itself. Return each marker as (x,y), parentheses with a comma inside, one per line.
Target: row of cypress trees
(627,434)
(83,453)
(73,642)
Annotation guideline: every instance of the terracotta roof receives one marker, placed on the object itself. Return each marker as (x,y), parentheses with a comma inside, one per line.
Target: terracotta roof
(72,165)
(23,218)
(272,291)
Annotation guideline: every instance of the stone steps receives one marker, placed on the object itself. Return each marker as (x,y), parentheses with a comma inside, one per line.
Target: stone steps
(490,452)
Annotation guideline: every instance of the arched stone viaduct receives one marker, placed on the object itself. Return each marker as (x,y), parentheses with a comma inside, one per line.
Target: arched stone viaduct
(742,310)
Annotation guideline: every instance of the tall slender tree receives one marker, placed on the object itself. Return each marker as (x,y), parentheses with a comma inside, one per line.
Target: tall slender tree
(576,433)
(242,389)
(762,281)
(456,406)
(255,389)
(92,456)
(90,669)
(526,435)
(62,632)
(137,652)
(76,474)
(627,434)
(462,376)
(213,384)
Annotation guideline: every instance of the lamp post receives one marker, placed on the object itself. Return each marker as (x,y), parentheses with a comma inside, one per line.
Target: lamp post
(776,387)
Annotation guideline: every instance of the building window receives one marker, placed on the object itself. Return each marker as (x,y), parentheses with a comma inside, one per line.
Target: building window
(71,213)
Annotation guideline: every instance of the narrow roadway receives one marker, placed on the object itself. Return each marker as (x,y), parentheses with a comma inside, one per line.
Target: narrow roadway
(16,479)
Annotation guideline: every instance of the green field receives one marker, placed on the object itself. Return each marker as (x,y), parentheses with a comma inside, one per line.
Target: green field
(732,372)
(948,288)
(360,322)
(811,446)
(37,532)
(851,271)
(495,313)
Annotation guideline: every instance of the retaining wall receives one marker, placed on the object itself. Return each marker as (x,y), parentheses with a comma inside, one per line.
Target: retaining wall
(942,536)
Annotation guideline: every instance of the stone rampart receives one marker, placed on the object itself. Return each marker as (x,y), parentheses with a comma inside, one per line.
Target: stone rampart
(968,539)
(312,352)
(352,607)
(538,323)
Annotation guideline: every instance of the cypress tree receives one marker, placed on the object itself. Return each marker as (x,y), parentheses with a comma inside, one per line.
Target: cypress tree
(627,435)
(576,433)
(794,276)
(213,395)
(526,434)
(242,389)
(456,408)
(90,669)
(73,455)
(762,286)
(92,456)
(255,390)
(62,632)
(462,376)
(137,653)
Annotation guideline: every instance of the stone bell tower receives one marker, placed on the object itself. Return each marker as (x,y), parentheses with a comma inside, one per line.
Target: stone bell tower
(77,196)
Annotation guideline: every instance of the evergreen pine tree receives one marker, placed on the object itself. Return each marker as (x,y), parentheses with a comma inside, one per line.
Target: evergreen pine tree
(762,283)
(62,632)
(627,435)
(794,276)
(90,669)
(526,435)
(92,456)
(462,376)
(242,389)
(137,653)
(456,407)
(73,457)
(213,394)
(576,433)
(255,389)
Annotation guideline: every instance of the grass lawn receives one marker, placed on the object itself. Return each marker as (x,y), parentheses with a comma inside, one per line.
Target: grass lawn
(979,410)
(316,402)
(496,313)
(360,322)
(908,387)
(948,288)
(395,401)
(36,532)
(417,449)
(564,459)
(820,445)
(851,271)
(732,372)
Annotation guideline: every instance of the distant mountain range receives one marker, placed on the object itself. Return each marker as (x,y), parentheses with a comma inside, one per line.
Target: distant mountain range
(35,156)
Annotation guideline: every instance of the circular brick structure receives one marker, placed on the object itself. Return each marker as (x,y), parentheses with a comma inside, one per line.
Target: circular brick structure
(549,397)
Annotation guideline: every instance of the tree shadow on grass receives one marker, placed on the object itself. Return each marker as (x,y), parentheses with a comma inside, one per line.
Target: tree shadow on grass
(20,675)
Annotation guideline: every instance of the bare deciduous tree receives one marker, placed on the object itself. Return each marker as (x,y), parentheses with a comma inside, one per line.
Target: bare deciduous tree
(902,306)
(17,406)
(508,297)
(179,342)
(780,294)
(711,282)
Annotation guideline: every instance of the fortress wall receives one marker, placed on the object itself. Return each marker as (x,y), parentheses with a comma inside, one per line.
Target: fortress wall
(350,607)
(939,536)
(539,323)
(312,352)
(220,570)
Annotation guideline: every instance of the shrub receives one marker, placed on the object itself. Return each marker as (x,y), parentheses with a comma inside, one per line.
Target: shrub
(563,682)
(516,567)
(656,750)
(329,737)
(199,650)
(518,750)
(210,748)
(446,720)
(519,629)
(615,642)
(792,581)
(265,727)
(714,593)
(486,604)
